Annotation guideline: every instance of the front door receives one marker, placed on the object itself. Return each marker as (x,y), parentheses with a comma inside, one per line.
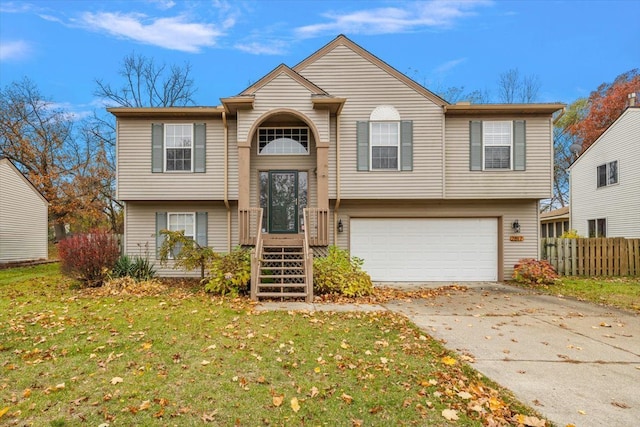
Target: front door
(283,202)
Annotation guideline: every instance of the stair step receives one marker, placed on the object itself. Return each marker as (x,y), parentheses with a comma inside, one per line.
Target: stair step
(281,285)
(282,294)
(282,276)
(282,268)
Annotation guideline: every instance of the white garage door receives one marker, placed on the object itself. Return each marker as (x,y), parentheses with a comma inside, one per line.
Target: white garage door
(420,249)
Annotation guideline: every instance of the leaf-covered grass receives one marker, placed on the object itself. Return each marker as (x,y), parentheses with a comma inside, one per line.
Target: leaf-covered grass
(620,292)
(69,357)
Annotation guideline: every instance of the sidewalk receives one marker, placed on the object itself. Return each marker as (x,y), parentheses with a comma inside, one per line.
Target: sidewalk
(576,363)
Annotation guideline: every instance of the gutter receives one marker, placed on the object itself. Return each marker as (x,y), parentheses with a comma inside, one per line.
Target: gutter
(225,127)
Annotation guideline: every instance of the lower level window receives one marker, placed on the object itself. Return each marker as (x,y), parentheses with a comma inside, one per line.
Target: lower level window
(598,227)
(185,222)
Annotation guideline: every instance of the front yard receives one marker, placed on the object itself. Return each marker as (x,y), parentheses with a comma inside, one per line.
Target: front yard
(621,292)
(181,357)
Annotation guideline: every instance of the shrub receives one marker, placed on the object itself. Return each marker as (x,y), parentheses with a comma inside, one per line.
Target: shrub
(89,257)
(138,268)
(230,273)
(339,273)
(570,234)
(534,272)
(186,252)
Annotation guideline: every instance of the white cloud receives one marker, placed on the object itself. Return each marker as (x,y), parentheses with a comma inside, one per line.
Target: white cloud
(163,4)
(415,16)
(260,48)
(449,65)
(174,33)
(14,50)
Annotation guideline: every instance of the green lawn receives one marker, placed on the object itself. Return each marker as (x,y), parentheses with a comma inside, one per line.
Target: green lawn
(622,292)
(70,357)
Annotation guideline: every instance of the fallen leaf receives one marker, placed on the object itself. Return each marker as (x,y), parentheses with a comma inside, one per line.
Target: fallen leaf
(465,395)
(314,391)
(295,405)
(620,405)
(450,414)
(205,362)
(448,360)
(277,400)
(146,345)
(348,399)
(145,405)
(581,412)
(530,421)
(116,380)
(26,393)
(383,360)
(4,411)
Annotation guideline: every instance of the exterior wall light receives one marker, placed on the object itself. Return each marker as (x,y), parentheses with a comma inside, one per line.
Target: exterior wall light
(515,226)
(340,226)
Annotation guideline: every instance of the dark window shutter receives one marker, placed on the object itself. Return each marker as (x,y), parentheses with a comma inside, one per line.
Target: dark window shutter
(406,143)
(157,147)
(199,155)
(475,145)
(519,145)
(201,228)
(363,146)
(161,224)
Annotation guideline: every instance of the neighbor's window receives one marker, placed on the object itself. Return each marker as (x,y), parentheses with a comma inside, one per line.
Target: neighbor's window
(283,141)
(178,145)
(598,227)
(608,174)
(497,142)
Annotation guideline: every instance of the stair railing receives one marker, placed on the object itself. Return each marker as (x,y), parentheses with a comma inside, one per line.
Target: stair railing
(256,256)
(308,258)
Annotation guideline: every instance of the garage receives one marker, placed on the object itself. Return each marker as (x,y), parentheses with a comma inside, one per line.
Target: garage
(426,249)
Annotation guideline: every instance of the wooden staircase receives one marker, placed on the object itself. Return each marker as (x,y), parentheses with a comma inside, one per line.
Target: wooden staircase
(282,268)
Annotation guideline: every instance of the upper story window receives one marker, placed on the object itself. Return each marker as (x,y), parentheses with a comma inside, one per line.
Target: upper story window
(497,145)
(283,141)
(497,141)
(385,143)
(607,174)
(178,145)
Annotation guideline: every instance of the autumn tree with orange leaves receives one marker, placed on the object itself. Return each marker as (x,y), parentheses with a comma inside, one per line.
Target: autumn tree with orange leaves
(603,107)
(41,140)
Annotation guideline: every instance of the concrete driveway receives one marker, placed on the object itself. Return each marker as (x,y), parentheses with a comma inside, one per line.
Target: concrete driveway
(576,363)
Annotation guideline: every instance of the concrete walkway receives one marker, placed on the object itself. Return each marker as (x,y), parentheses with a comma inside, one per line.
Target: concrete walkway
(576,363)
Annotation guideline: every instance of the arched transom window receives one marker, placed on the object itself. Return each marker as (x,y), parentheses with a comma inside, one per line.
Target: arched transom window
(279,141)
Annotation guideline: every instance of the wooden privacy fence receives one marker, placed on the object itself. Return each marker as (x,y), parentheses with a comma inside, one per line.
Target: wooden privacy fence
(593,257)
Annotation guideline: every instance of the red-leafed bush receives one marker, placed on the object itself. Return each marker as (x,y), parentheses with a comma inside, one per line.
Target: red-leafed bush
(534,272)
(89,257)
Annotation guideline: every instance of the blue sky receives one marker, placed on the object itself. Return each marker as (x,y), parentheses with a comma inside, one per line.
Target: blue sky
(571,46)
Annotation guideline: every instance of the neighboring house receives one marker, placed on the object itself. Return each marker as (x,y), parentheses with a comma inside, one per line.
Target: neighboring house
(605,182)
(23,217)
(554,223)
(422,190)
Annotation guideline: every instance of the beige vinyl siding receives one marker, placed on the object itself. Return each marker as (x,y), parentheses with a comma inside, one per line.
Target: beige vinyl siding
(534,182)
(140,229)
(137,182)
(618,203)
(23,217)
(344,73)
(525,211)
(283,93)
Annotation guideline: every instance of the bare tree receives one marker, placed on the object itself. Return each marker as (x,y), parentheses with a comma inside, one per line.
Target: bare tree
(515,88)
(149,85)
(455,94)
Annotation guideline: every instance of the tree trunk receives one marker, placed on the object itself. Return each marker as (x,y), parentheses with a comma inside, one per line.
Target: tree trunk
(60,231)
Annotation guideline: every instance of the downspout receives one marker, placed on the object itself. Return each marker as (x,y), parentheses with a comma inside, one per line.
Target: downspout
(226,178)
(444,152)
(337,207)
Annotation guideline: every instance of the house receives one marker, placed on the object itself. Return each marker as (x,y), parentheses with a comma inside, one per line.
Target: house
(605,182)
(554,223)
(23,217)
(342,149)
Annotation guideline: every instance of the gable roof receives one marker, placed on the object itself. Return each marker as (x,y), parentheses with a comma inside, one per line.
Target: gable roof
(319,97)
(343,40)
(629,111)
(4,160)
